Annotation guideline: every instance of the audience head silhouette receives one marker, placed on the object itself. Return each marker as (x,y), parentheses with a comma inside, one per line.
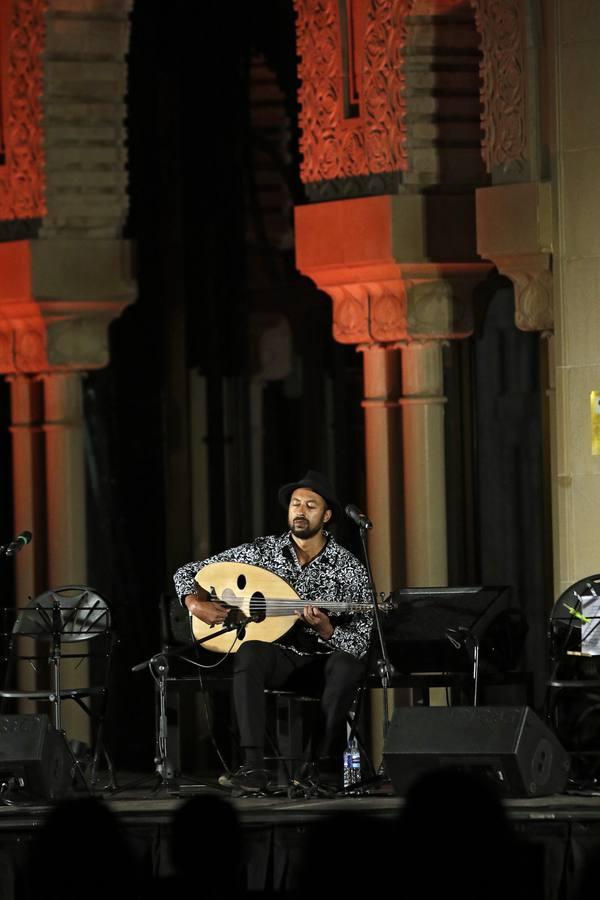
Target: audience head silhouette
(207,825)
(81,847)
(455,836)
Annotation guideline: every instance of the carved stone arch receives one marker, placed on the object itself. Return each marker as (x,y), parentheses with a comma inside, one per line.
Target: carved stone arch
(505,88)
(337,143)
(382,78)
(514,216)
(441,69)
(372,140)
(22,32)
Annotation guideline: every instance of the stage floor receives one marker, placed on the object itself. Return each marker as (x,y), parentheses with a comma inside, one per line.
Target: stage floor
(144,796)
(564,827)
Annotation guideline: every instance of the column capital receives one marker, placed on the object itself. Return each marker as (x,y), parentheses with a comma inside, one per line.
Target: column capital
(57,301)
(59,337)
(382,262)
(514,231)
(531,275)
(421,302)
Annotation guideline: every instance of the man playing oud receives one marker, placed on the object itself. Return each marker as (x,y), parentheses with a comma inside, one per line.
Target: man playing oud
(325,649)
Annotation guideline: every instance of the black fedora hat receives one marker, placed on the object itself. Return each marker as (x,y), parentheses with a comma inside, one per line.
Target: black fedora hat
(313,481)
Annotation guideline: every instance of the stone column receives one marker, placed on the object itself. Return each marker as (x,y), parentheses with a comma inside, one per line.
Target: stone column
(28,484)
(28,508)
(422,405)
(66,520)
(381,373)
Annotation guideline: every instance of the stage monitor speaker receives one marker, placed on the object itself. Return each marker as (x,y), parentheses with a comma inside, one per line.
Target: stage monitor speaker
(510,744)
(34,758)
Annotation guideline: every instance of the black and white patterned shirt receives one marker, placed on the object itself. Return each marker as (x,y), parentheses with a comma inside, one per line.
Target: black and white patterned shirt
(334,575)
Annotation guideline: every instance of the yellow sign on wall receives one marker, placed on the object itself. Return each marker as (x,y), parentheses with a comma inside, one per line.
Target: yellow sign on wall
(595,419)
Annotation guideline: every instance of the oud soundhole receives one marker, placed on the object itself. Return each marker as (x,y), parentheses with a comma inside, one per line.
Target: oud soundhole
(241,582)
(258,606)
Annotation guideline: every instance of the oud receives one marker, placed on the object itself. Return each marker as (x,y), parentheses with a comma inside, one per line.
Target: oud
(265,602)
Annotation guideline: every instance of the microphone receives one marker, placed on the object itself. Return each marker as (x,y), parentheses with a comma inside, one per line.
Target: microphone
(359,518)
(18,543)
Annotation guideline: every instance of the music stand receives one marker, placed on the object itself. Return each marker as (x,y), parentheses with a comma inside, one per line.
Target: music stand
(66,615)
(440,628)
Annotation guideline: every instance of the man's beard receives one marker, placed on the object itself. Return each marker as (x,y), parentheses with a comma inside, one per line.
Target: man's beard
(301,528)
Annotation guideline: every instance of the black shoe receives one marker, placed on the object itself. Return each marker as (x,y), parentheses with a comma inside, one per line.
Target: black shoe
(246,781)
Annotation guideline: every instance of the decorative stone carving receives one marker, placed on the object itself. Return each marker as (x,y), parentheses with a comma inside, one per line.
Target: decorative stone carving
(387,310)
(369,255)
(30,347)
(6,348)
(514,230)
(84,339)
(22,176)
(56,336)
(77,333)
(350,313)
(22,339)
(532,281)
(372,142)
(441,308)
(382,86)
(430,307)
(412,307)
(504,83)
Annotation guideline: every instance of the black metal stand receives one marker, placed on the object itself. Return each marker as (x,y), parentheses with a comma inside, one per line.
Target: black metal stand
(385,670)
(164,774)
(53,626)
(459,637)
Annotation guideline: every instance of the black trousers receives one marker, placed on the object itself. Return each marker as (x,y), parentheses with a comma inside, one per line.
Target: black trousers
(334,677)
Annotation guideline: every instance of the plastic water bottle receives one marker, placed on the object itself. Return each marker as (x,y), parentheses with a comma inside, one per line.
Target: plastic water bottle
(355,758)
(348,770)
(351,766)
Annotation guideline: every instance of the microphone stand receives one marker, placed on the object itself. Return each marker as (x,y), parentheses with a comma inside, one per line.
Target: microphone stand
(459,637)
(159,665)
(385,670)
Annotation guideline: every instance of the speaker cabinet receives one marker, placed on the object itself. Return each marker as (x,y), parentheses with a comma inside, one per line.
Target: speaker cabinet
(34,757)
(510,744)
